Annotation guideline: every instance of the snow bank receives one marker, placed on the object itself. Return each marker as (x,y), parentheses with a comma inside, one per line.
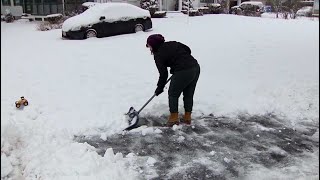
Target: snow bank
(6,167)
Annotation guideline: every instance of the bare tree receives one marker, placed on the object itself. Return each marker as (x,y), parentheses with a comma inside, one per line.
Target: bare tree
(224,5)
(285,7)
(277,5)
(293,7)
(228,5)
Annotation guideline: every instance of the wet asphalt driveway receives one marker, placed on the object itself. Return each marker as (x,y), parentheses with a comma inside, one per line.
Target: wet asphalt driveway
(213,147)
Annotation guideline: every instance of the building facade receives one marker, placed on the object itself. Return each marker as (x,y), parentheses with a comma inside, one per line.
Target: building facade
(316,8)
(45,7)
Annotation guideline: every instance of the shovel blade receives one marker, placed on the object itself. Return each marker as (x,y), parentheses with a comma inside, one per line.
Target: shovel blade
(133,118)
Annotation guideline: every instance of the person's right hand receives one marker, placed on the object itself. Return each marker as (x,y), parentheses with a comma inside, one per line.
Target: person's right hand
(158,91)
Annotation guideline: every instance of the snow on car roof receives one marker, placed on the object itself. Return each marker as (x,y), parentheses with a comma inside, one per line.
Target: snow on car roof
(257,3)
(89,4)
(112,12)
(304,10)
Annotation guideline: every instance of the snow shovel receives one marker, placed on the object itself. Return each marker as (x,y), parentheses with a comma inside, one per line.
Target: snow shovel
(133,115)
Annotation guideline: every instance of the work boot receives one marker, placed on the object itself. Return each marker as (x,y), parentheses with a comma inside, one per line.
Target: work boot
(173,119)
(186,118)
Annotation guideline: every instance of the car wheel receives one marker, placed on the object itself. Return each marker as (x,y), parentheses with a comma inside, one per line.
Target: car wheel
(26,103)
(91,34)
(138,28)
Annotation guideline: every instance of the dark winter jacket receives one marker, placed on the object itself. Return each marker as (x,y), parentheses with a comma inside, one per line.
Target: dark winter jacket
(175,55)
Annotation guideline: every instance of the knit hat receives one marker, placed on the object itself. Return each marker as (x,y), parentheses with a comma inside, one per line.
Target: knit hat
(155,41)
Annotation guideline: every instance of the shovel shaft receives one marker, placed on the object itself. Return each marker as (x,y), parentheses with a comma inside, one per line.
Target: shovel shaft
(146,103)
(151,98)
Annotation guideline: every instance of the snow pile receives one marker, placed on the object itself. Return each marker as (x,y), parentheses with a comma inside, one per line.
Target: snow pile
(176,127)
(151,161)
(29,143)
(181,139)
(144,130)
(6,166)
(227,160)
(103,136)
(315,136)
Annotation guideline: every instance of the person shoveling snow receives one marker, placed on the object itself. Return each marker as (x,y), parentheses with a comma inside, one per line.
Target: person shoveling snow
(185,71)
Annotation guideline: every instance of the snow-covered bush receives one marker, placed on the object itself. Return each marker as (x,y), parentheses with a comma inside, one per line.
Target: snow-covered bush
(54,18)
(46,26)
(151,5)
(187,4)
(53,21)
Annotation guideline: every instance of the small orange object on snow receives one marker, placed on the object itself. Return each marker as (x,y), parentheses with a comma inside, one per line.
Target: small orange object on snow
(21,101)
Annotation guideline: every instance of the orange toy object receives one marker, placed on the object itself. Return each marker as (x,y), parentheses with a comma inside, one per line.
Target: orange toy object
(21,101)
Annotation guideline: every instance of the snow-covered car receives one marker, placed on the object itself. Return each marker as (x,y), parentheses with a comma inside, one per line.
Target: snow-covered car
(234,10)
(251,8)
(107,19)
(305,11)
(267,9)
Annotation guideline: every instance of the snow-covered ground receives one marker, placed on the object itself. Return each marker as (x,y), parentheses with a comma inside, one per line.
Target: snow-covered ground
(249,65)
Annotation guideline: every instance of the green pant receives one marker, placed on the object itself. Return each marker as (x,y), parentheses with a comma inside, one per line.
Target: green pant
(185,82)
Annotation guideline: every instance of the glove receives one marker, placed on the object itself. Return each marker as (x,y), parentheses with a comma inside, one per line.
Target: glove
(158,91)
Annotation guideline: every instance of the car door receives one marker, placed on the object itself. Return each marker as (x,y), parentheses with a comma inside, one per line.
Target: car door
(104,27)
(116,28)
(99,27)
(121,26)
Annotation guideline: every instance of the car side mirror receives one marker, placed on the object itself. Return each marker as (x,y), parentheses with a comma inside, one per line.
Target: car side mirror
(102,18)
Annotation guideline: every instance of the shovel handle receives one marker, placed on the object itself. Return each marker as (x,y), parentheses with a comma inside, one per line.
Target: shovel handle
(151,98)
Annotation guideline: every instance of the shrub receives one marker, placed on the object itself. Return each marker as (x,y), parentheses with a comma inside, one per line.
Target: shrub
(187,4)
